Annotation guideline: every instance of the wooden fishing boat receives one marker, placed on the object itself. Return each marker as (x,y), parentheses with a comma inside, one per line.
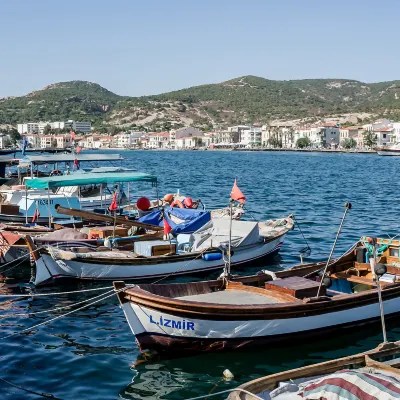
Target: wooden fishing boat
(371,375)
(190,253)
(264,308)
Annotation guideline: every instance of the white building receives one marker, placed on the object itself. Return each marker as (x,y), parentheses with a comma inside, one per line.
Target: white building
(47,141)
(188,131)
(278,134)
(80,126)
(63,141)
(127,139)
(160,140)
(28,127)
(396,132)
(190,142)
(326,135)
(3,140)
(235,132)
(34,140)
(251,137)
(383,136)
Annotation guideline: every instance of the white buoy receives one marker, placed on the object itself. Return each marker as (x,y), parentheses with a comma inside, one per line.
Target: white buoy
(227,375)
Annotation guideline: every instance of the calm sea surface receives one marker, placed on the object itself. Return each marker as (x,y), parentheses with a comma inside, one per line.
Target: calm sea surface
(92,354)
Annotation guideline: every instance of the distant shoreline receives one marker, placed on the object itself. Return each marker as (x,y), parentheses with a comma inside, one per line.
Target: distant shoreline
(261,150)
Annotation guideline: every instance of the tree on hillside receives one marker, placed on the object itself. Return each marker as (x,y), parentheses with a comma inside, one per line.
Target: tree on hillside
(370,139)
(349,143)
(47,129)
(303,142)
(14,135)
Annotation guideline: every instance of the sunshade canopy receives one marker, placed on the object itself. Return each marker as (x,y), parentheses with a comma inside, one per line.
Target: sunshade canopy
(88,179)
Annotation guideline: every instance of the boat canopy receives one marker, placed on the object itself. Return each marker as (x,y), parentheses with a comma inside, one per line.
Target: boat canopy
(59,158)
(88,179)
(181,220)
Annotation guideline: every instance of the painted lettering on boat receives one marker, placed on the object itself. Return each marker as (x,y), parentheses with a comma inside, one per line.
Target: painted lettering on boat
(170,323)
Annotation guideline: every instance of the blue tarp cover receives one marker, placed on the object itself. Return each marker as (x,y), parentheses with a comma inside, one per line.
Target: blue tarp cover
(193,219)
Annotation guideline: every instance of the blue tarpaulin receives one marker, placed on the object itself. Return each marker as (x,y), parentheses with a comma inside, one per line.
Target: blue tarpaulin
(181,220)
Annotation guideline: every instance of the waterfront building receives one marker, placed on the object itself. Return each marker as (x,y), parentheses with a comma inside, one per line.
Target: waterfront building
(188,131)
(63,141)
(235,132)
(28,127)
(326,135)
(383,136)
(47,142)
(34,140)
(190,142)
(4,139)
(251,137)
(159,140)
(395,137)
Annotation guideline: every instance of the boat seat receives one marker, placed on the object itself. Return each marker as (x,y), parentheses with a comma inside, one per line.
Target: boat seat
(296,286)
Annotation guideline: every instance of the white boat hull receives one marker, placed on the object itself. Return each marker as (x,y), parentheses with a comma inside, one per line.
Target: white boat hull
(48,268)
(164,331)
(389,152)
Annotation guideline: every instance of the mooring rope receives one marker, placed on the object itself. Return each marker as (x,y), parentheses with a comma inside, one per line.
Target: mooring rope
(53,309)
(62,315)
(55,294)
(180,269)
(23,256)
(47,396)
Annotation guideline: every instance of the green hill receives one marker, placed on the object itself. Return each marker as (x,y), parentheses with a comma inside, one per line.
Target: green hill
(246,99)
(79,100)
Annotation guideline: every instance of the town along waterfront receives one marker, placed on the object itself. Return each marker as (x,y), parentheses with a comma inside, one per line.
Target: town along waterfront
(92,353)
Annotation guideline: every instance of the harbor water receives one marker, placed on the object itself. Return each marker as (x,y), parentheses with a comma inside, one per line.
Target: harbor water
(91,354)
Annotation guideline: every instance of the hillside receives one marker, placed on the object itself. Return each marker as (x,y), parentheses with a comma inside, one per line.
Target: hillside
(247,99)
(65,100)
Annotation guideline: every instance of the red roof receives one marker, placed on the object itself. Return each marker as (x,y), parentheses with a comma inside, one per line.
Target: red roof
(329,124)
(383,130)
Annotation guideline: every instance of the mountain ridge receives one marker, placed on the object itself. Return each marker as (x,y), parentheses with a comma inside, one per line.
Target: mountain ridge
(247,99)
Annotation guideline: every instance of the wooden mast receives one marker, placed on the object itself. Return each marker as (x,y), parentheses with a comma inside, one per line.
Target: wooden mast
(105,218)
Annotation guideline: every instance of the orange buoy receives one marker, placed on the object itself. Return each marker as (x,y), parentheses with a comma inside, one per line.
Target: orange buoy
(168,198)
(188,202)
(177,203)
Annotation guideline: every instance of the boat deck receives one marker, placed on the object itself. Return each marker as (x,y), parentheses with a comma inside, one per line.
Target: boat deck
(232,297)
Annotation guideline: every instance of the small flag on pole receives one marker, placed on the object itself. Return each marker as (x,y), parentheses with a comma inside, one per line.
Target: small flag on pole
(167,227)
(114,204)
(36,215)
(76,163)
(78,149)
(237,194)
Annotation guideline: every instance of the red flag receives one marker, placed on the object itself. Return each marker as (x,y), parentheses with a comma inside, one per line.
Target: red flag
(237,194)
(167,227)
(114,205)
(36,215)
(78,149)
(76,163)
(72,135)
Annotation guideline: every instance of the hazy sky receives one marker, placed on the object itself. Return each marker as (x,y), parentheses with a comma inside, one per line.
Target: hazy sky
(144,47)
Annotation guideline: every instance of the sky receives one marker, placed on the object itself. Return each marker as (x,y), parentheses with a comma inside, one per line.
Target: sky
(145,47)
